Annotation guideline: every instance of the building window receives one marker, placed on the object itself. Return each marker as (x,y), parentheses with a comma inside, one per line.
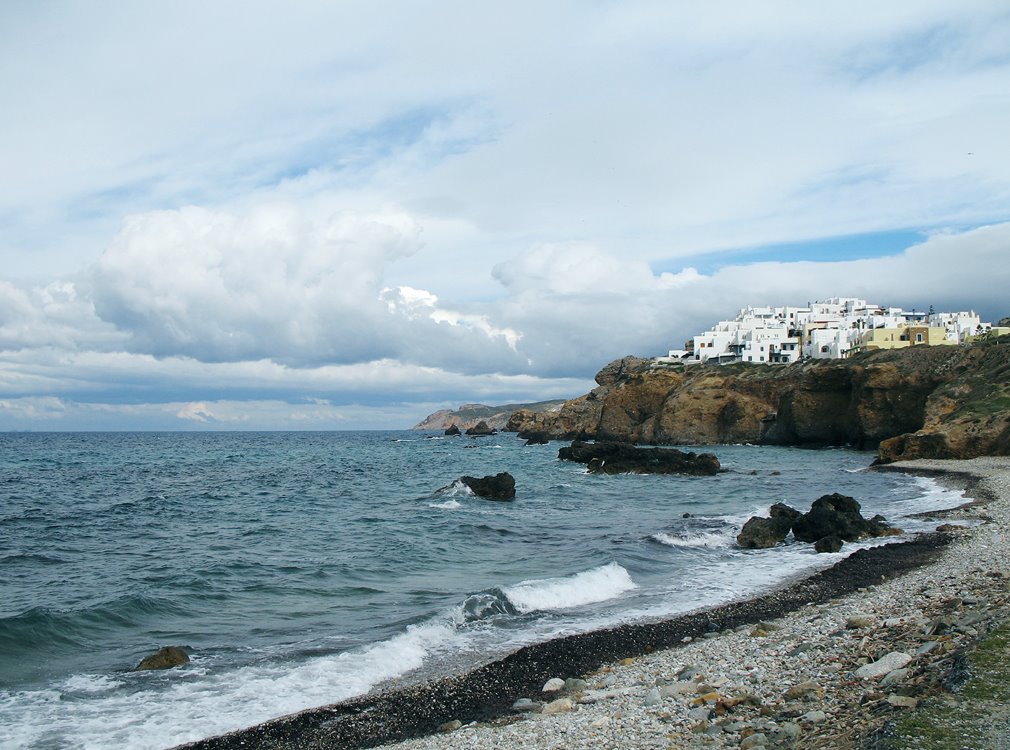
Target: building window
(918,338)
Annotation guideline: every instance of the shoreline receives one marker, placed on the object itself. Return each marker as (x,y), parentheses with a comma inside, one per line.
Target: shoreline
(480,700)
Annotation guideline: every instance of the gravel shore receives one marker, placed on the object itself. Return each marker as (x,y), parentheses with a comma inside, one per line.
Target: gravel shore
(838,660)
(837,674)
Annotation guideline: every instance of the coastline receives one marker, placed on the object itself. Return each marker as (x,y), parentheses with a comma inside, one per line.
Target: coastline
(628,667)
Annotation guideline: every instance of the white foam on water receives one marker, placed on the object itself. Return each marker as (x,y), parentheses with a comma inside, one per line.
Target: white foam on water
(457,489)
(590,586)
(708,539)
(447,505)
(168,710)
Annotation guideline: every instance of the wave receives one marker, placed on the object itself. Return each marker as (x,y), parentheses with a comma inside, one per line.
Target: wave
(151,710)
(450,504)
(590,586)
(456,489)
(707,539)
(42,627)
(30,558)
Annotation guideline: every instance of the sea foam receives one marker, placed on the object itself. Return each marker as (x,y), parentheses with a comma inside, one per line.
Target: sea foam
(595,585)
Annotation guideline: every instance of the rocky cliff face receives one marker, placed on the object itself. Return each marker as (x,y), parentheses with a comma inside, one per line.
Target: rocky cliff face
(942,401)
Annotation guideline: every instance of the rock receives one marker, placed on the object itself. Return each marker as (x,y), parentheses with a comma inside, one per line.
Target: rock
(164,658)
(883,665)
(892,678)
(828,544)
(758,739)
(681,687)
(559,706)
(902,701)
(575,685)
(481,429)
(553,685)
(653,698)
(814,717)
(762,533)
(450,726)
(836,515)
(950,528)
(537,438)
(856,622)
(526,705)
(807,691)
(625,458)
(501,486)
(452,430)
(701,713)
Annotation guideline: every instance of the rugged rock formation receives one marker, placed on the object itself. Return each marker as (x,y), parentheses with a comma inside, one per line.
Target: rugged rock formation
(625,458)
(481,429)
(762,533)
(939,401)
(501,486)
(831,520)
(164,658)
(452,430)
(468,415)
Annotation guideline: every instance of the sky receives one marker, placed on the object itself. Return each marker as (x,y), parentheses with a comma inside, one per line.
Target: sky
(318,215)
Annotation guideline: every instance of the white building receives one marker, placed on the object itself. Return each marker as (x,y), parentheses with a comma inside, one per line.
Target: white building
(827,329)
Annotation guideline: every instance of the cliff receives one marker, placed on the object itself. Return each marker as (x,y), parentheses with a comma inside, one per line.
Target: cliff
(929,402)
(468,415)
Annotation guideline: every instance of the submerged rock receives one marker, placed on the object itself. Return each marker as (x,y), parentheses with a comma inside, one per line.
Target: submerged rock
(164,658)
(501,486)
(626,458)
(828,544)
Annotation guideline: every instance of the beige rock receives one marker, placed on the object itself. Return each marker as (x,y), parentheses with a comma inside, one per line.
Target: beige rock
(559,706)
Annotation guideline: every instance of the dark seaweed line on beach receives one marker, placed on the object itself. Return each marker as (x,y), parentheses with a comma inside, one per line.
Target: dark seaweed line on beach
(487,692)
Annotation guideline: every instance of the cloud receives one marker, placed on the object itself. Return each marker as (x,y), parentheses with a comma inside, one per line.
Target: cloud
(374,212)
(196,412)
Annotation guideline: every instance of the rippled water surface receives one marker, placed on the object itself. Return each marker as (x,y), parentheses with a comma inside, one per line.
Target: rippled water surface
(303,568)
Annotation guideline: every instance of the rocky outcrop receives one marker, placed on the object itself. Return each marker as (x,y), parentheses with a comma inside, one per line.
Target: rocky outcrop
(481,429)
(762,533)
(468,415)
(452,430)
(164,658)
(831,520)
(501,486)
(625,458)
(939,401)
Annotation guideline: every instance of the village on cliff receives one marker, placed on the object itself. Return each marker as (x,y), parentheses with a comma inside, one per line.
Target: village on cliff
(832,329)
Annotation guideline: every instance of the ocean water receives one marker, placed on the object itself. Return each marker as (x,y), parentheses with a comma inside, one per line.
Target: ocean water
(300,569)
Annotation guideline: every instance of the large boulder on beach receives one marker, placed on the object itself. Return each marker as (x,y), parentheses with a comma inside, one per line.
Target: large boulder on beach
(762,533)
(164,658)
(833,515)
(501,486)
(604,457)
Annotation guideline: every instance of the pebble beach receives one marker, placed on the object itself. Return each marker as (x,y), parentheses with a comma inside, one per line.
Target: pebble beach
(843,673)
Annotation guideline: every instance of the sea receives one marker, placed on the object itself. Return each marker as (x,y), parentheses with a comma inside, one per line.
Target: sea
(303,568)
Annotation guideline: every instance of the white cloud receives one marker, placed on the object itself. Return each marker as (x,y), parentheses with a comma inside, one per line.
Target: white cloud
(196,412)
